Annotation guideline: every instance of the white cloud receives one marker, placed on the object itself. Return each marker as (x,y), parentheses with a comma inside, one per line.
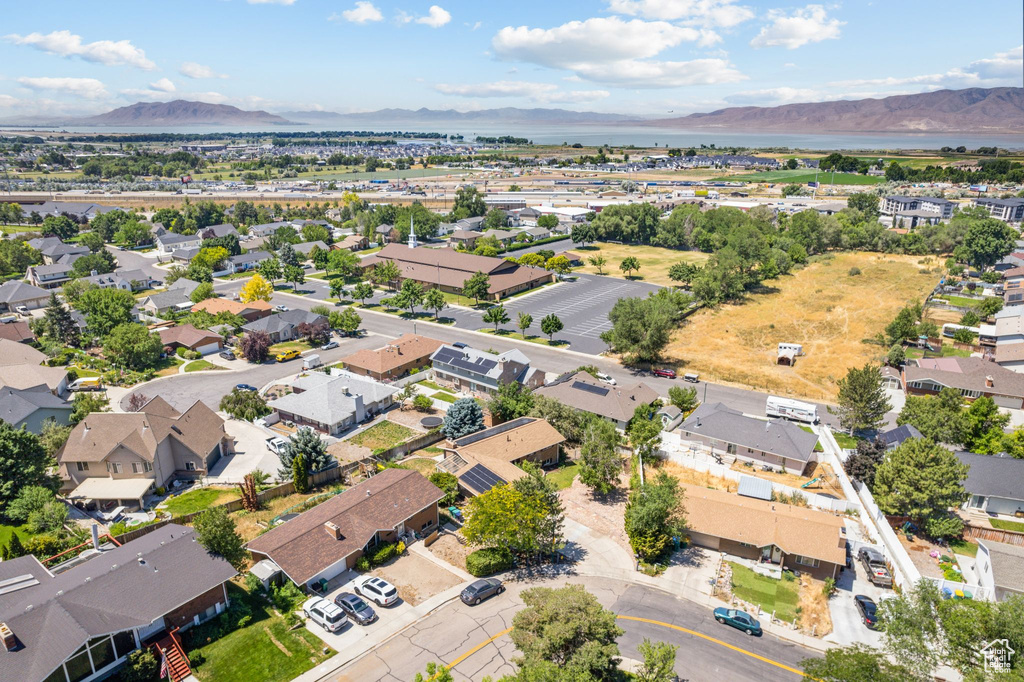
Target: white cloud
(808,25)
(89,88)
(67,44)
(436,17)
(773,96)
(476,25)
(194,70)
(1003,68)
(271,2)
(362,13)
(1009,64)
(718,13)
(163,85)
(403,17)
(612,50)
(537,92)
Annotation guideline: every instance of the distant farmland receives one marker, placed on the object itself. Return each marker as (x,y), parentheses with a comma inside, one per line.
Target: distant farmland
(803,176)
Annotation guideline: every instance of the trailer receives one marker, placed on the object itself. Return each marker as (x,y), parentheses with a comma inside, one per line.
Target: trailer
(791,409)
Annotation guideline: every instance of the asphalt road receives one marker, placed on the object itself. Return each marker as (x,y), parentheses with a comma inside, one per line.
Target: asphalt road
(451,632)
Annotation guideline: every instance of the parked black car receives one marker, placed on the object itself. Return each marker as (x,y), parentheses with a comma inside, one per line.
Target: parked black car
(867,609)
(480,590)
(355,608)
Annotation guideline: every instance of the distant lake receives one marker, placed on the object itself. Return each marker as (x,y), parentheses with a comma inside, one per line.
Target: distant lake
(611,134)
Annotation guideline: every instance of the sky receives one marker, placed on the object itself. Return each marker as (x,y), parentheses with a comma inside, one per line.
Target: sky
(636,57)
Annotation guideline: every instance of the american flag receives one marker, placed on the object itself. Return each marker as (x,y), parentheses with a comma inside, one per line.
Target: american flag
(163,664)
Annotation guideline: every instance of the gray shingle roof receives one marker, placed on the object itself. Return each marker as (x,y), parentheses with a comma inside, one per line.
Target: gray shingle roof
(16,291)
(896,436)
(583,392)
(120,589)
(777,436)
(282,321)
(17,405)
(1007,564)
(330,399)
(994,475)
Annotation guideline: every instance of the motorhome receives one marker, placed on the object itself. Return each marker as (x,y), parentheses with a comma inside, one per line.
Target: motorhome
(791,409)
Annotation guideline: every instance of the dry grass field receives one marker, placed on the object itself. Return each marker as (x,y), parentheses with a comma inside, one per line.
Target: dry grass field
(654,260)
(822,307)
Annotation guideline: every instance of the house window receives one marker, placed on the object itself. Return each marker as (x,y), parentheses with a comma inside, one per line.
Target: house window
(147,467)
(114,467)
(730,448)
(805,561)
(82,466)
(427,524)
(135,467)
(190,466)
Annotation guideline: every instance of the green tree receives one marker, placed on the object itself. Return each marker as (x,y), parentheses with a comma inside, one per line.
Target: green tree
(100,263)
(476,287)
(385,273)
(629,265)
(133,233)
(913,635)
(423,403)
(583,233)
(659,662)
(463,418)
(598,261)
(654,514)
(683,273)
(642,327)
(448,483)
(203,292)
(363,291)
(548,221)
(496,315)
(792,189)
(565,633)
(531,260)
(30,500)
(245,405)
(436,672)
(469,202)
(986,242)
(511,401)
(564,419)
(683,398)
(270,270)
(105,309)
(981,428)
(411,295)
(85,404)
(300,474)
(59,226)
(133,346)
(921,480)
(58,323)
(216,531)
(990,306)
(550,324)
(523,322)
(559,265)
(349,321)
(856,663)
(896,356)
(142,666)
(53,436)
(343,261)
(866,203)
(600,464)
(495,220)
(93,240)
(970,319)
(307,443)
(862,399)
(294,274)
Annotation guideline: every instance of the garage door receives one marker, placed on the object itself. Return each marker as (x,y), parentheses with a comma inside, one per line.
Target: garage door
(208,348)
(1007,401)
(709,541)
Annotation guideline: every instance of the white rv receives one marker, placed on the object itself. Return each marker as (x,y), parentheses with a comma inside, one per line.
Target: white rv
(791,409)
(795,348)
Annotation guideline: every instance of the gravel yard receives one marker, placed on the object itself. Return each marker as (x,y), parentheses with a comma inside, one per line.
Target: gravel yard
(448,548)
(417,579)
(603,515)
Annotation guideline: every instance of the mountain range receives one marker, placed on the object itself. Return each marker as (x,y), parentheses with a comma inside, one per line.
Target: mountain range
(179,112)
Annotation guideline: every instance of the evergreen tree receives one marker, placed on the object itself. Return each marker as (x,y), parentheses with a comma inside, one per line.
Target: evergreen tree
(59,324)
(862,400)
(311,446)
(300,476)
(463,418)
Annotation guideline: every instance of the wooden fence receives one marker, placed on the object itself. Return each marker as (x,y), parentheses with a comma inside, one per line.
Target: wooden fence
(1008,537)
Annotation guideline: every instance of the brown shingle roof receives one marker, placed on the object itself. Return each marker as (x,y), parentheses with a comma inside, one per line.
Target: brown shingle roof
(451,268)
(27,376)
(508,442)
(14,353)
(611,402)
(220,305)
(303,547)
(967,373)
(403,350)
(187,335)
(795,530)
(199,429)
(18,332)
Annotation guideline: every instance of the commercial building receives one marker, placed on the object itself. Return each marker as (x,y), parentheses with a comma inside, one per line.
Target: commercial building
(896,205)
(1008,210)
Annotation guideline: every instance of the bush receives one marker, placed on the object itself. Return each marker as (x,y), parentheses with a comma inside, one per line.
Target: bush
(142,666)
(362,564)
(192,355)
(253,584)
(286,597)
(488,561)
(422,403)
(447,483)
(180,351)
(854,271)
(384,553)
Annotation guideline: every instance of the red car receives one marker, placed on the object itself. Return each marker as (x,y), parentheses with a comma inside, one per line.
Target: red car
(667,373)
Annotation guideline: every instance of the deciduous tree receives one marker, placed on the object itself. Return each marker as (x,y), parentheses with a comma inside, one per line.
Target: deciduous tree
(511,401)
(216,531)
(600,464)
(133,346)
(550,324)
(476,287)
(255,346)
(256,289)
(496,315)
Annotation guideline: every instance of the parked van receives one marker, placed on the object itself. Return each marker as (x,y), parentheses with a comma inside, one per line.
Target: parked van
(86,384)
(791,409)
(691,377)
(311,361)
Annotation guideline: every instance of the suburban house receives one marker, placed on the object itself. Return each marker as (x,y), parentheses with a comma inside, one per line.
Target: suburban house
(284,326)
(17,331)
(31,407)
(80,624)
(49,276)
(382,233)
(490,457)
(169,242)
(1000,568)
(730,433)
(253,310)
(782,535)
(353,242)
(116,457)
(244,262)
(1008,210)
(971,377)
(324,542)
(449,269)
(476,371)
(395,360)
(895,437)
(203,341)
(465,238)
(267,229)
(306,248)
(122,278)
(331,403)
(16,293)
(215,231)
(177,297)
(528,216)
(52,249)
(536,233)
(581,391)
(21,368)
(185,256)
(995,484)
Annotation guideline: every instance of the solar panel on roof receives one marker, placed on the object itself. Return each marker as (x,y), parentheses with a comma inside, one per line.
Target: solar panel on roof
(590,388)
(481,479)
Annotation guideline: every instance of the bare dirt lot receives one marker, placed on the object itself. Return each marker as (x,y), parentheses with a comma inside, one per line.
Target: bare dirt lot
(417,579)
(603,515)
(448,548)
(822,306)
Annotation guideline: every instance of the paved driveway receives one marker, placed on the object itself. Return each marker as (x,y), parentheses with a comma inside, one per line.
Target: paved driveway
(250,453)
(847,624)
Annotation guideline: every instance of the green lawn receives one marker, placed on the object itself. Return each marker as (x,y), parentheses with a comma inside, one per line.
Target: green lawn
(421,464)
(963,547)
(168,366)
(298,345)
(802,176)
(15,229)
(238,275)
(255,651)
(7,530)
(558,343)
(564,475)
(201,365)
(1002,524)
(817,446)
(444,396)
(198,500)
(845,440)
(948,350)
(421,315)
(780,596)
(961,301)
(427,383)
(383,434)
(459,299)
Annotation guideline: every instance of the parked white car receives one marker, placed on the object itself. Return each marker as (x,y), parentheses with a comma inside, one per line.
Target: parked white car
(377,590)
(601,376)
(327,615)
(276,445)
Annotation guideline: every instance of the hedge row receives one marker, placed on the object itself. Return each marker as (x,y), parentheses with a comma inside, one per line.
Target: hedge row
(488,561)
